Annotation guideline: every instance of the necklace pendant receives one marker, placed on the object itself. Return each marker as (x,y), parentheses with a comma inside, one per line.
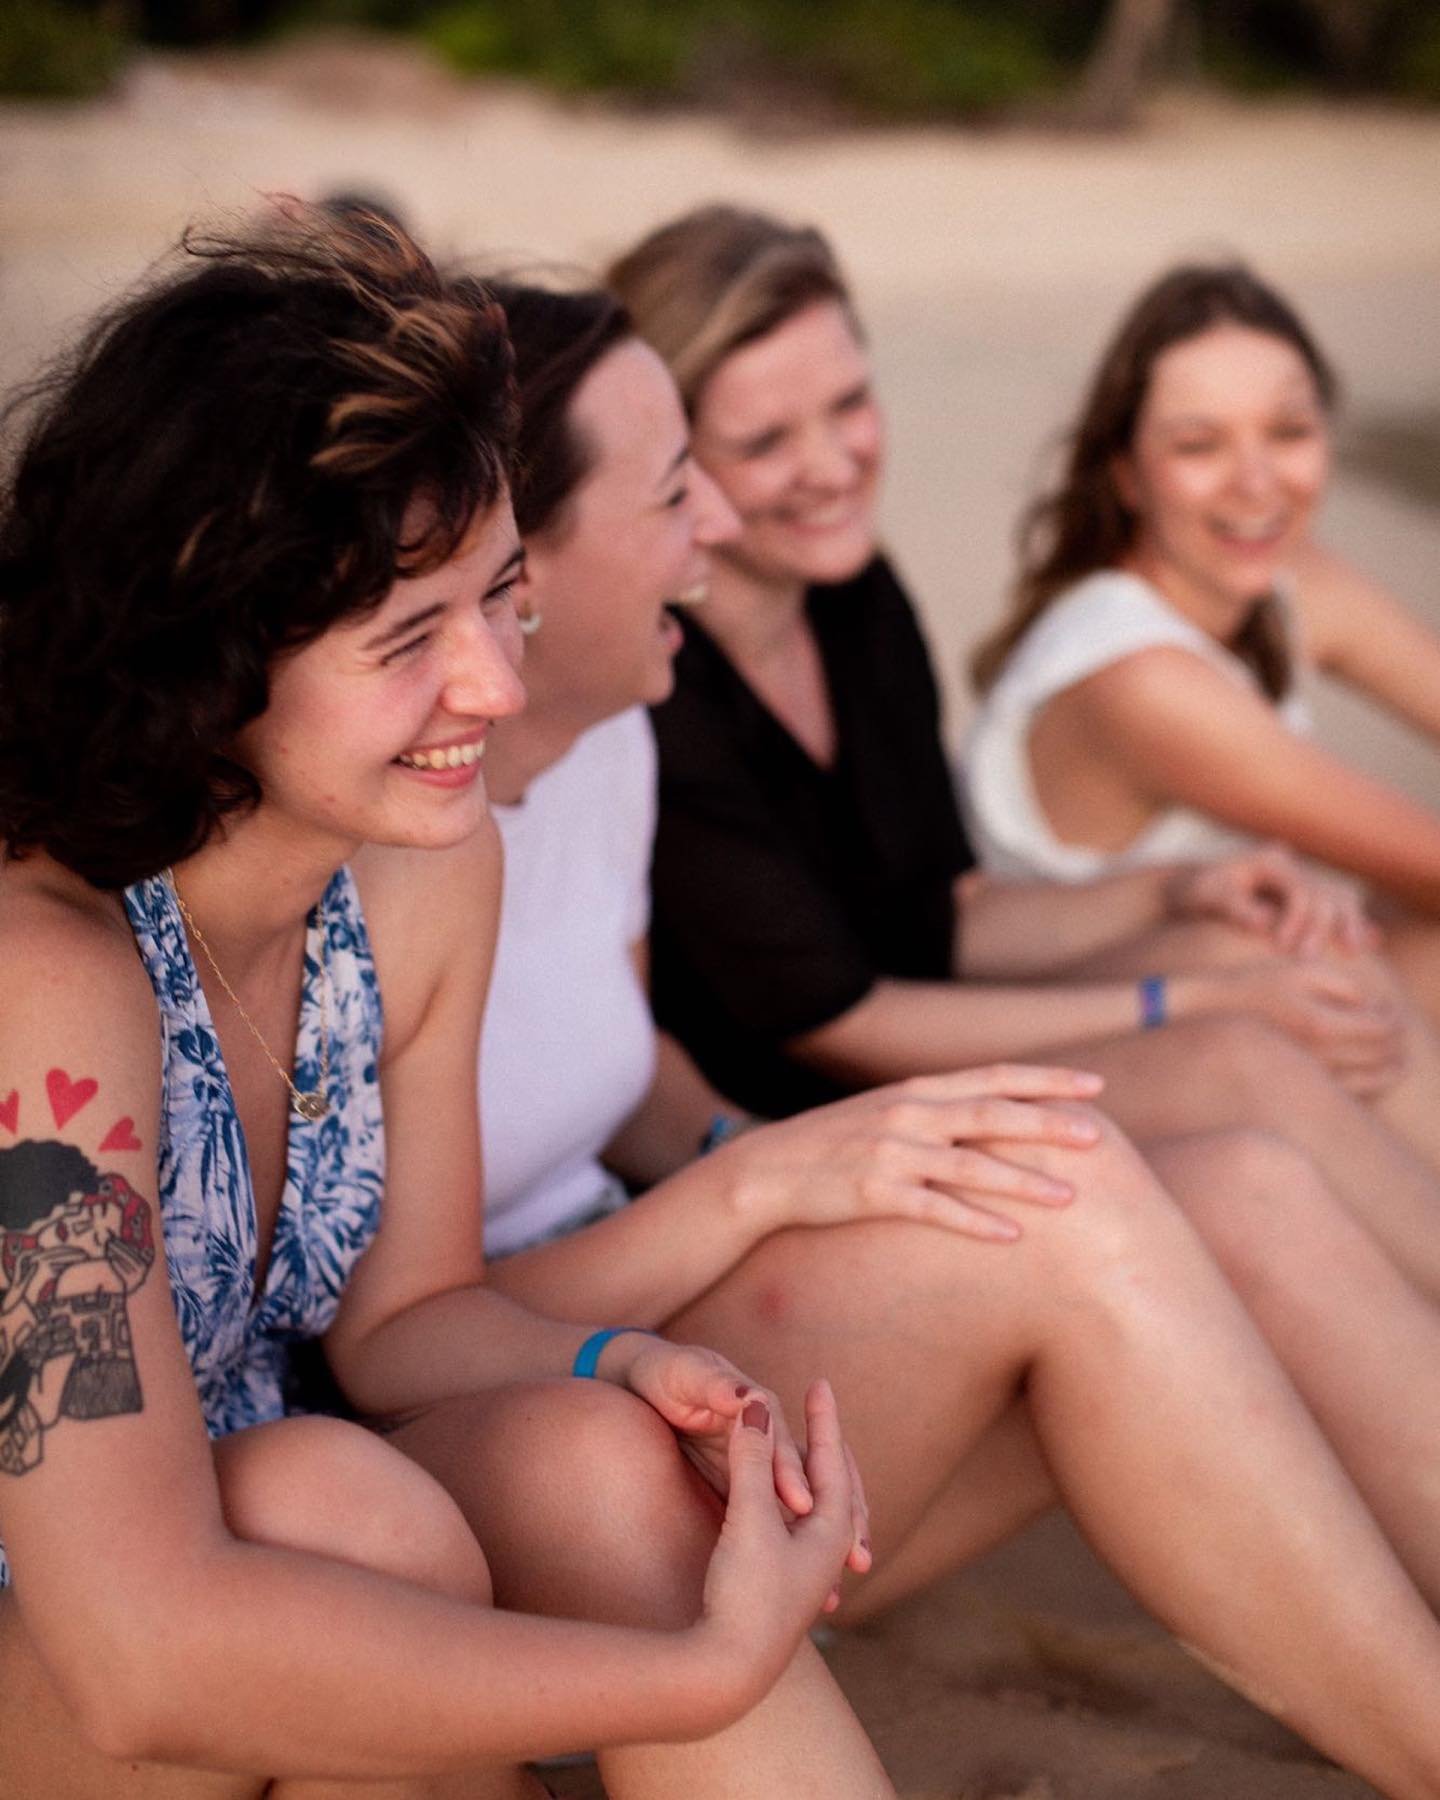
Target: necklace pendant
(312,1106)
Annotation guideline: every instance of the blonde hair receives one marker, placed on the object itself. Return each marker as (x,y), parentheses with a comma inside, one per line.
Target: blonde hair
(719,277)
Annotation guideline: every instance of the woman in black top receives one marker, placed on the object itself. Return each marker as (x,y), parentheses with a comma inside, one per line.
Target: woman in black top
(811,904)
(807,939)
(831,872)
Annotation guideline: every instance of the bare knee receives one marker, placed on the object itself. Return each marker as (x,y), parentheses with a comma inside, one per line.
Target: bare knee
(1260,1202)
(582,1498)
(1260,1074)
(335,1489)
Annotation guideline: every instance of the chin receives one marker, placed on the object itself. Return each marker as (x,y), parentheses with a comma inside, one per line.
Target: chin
(444,829)
(828,563)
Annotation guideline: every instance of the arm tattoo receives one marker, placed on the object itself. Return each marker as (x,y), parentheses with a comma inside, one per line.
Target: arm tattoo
(74,1245)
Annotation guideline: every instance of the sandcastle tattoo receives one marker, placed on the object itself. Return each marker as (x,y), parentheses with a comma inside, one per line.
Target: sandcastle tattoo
(74,1245)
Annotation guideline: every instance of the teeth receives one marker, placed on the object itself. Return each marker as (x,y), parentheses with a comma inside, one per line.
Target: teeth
(695,595)
(453,756)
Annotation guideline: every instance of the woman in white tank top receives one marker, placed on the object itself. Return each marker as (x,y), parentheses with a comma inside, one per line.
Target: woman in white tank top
(1141,701)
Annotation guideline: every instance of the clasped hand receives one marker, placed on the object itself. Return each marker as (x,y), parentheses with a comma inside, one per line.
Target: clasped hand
(1269,892)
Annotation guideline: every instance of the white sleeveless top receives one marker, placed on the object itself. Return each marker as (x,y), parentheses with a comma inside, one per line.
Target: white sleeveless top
(568,1047)
(1101,620)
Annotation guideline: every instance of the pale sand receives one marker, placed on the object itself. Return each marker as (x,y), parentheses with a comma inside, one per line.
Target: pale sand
(988,267)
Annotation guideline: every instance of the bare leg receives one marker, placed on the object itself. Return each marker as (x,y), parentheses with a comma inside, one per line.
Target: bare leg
(1359,1342)
(587,1509)
(1140,1368)
(998,1488)
(310,1484)
(1410,1106)
(1219,1074)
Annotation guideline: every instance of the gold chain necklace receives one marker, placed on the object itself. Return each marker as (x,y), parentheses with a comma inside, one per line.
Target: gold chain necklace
(316,1103)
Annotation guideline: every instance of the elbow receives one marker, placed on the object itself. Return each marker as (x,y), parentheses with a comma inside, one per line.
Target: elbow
(159,1718)
(144,1691)
(119,1708)
(123,1733)
(843,1049)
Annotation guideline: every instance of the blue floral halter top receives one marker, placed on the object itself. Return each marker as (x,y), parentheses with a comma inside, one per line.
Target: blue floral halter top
(237,1340)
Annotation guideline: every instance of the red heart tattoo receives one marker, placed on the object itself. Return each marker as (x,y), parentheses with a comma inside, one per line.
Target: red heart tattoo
(121,1136)
(10,1110)
(67,1096)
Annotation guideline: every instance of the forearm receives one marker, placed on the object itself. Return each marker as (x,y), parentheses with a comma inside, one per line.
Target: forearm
(457,1341)
(668,1127)
(1010,929)
(906,1028)
(290,1665)
(647,1261)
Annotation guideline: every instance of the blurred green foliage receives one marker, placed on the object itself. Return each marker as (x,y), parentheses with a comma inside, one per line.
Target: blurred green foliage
(898,58)
(50,51)
(886,59)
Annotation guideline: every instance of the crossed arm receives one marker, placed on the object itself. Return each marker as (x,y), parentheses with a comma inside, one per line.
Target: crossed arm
(172,1639)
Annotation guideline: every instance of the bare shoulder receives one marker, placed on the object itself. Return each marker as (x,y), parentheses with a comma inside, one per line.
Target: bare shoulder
(70,958)
(432,916)
(1143,690)
(80,1035)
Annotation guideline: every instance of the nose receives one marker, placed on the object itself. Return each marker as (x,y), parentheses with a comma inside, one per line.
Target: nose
(1252,469)
(828,461)
(482,679)
(716,521)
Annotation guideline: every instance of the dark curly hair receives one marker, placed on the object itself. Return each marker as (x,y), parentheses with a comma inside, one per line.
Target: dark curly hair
(224,468)
(558,334)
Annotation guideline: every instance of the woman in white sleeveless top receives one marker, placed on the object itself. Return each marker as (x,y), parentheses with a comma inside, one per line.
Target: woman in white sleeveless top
(1140,704)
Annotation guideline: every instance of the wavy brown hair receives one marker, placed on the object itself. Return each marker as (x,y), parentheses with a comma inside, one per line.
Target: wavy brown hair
(1083,524)
(719,277)
(223,469)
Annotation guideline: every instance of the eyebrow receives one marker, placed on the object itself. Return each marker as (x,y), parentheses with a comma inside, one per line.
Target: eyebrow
(672,468)
(512,563)
(401,626)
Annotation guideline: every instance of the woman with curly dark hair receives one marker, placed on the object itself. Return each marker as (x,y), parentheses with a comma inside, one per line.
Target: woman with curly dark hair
(255,624)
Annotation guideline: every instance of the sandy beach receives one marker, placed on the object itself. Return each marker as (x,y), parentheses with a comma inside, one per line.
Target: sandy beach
(989,266)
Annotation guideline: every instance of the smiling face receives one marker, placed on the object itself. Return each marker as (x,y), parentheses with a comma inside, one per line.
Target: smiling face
(630,539)
(790,430)
(1229,460)
(375,731)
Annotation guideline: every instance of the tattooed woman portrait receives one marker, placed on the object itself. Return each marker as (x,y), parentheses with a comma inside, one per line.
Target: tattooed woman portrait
(256,555)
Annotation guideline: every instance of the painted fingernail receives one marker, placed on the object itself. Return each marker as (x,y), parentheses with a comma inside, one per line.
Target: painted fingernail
(756,1416)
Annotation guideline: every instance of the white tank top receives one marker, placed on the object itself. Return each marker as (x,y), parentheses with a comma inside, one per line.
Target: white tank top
(567,1051)
(1101,620)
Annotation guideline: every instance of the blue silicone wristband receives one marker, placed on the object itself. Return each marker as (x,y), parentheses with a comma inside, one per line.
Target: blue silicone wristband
(587,1357)
(1153,1008)
(720,1130)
